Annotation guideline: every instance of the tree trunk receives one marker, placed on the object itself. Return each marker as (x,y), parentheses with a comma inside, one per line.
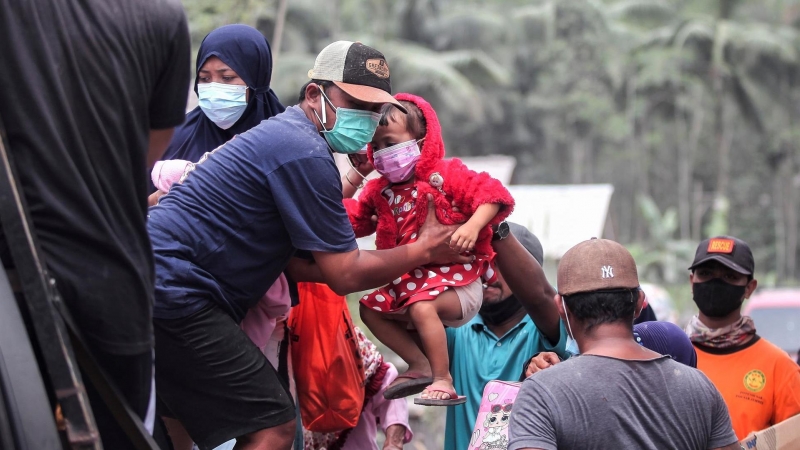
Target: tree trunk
(721,137)
(683,168)
(720,88)
(726,8)
(790,213)
(699,210)
(643,177)
(277,36)
(785,210)
(578,147)
(578,161)
(588,160)
(724,152)
(792,225)
(629,219)
(686,154)
(334,19)
(780,226)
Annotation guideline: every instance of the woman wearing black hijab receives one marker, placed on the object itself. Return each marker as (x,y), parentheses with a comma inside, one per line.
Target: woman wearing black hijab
(233,73)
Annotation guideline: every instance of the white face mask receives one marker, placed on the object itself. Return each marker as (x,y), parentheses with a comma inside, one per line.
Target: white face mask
(566,317)
(222,103)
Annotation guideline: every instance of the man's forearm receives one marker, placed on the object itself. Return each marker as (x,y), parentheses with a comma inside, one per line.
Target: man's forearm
(527,281)
(359,270)
(368,269)
(395,435)
(304,270)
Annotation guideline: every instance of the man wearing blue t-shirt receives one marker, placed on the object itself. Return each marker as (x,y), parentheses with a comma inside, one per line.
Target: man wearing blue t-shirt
(224,235)
(518,319)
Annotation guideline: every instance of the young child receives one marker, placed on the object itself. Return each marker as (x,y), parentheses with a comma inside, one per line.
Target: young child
(434,295)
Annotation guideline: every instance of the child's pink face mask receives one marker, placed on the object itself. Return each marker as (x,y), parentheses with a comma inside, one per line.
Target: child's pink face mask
(397,162)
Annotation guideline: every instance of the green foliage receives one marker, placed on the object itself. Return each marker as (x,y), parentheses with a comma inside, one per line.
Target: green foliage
(689,107)
(662,259)
(718,225)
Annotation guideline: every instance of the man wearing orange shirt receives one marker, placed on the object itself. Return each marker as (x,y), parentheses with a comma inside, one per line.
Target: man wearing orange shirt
(758,380)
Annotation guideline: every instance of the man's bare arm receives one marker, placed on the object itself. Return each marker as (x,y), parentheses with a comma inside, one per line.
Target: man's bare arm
(527,281)
(159,140)
(359,270)
(540,362)
(304,270)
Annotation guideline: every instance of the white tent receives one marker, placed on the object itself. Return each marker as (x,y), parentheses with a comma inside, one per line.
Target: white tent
(500,167)
(559,215)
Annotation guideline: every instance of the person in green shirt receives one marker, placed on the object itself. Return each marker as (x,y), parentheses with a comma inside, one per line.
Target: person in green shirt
(518,319)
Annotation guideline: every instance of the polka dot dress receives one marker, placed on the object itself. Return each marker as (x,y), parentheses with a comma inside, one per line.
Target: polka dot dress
(424,282)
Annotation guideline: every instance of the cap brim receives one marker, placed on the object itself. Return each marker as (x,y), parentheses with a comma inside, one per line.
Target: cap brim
(722,260)
(369,94)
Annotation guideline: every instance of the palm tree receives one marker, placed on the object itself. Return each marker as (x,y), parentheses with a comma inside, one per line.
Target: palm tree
(725,51)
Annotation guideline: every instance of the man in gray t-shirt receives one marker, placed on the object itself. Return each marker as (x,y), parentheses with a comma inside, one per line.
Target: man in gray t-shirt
(617,394)
(595,401)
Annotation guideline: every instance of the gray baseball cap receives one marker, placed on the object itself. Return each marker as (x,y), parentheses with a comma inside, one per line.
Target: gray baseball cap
(528,240)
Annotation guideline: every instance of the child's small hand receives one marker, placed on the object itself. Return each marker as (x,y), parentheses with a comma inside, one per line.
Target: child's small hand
(361,163)
(464,238)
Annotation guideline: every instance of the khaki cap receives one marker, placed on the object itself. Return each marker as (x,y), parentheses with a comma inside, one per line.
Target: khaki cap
(596,265)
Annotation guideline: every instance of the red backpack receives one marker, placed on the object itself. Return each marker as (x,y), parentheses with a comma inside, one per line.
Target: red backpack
(328,370)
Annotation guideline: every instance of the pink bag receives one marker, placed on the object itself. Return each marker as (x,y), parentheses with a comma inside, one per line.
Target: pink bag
(260,320)
(166,173)
(491,426)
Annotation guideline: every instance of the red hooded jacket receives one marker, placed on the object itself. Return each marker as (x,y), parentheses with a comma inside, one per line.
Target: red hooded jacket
(447,181)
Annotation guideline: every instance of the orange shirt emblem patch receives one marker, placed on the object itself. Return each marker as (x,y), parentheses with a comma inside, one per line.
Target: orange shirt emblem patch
(720,246)
(755,380)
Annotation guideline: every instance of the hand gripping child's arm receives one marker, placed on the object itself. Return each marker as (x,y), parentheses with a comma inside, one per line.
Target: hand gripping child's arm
(360,215)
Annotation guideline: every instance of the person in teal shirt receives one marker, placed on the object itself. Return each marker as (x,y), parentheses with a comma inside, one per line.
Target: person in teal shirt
(518,319)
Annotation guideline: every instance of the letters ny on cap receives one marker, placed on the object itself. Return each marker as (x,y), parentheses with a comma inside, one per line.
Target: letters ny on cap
(607,271)
(721,246)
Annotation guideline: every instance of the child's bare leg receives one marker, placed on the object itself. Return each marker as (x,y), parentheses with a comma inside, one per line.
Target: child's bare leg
(395,336)
(427,319)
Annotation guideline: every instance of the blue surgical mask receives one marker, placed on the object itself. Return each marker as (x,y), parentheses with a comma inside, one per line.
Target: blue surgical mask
(222,103)
(572,346)
(353,129)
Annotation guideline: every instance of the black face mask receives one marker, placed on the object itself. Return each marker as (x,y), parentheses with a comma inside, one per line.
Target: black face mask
(499,312)
(716,298)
